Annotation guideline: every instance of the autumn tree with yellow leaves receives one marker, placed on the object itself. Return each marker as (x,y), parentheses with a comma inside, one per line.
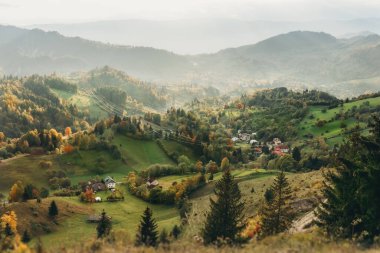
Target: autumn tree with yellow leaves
(10,240)
(16,192)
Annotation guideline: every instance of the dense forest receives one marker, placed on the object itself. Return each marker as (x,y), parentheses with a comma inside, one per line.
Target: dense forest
(28,103)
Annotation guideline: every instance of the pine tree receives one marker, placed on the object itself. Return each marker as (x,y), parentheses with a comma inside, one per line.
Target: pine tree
(164,237)
(277,214)
(176,231)
(296,154)
(352,190)
(225,218)
(147,234)
(25,237)
(104,226)
(8,230)
(53,209)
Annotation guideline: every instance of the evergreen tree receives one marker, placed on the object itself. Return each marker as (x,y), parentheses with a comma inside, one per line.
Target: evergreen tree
(104,226)
(8,230)
(296,154)
(277,214)
(176,231)
(28,192)
(164,237)
(53,209)
(25,237)
(268,195)
(352,190)
(226,213)
(147,234)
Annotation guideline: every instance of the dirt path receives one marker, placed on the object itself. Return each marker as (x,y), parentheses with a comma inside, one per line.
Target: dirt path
(13,158)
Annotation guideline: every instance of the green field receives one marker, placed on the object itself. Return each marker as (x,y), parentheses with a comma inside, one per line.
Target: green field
(173,146)
(331,129)
(23,168)
(83,103)
(125,216)
(79,165)
(140,154)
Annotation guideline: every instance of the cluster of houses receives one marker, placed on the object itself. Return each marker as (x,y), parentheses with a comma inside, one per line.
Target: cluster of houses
(244,137)
(107,183)
(276,147)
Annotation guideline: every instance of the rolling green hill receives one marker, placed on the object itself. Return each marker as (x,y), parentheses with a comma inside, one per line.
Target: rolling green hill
(345,67)
(81,165)
(337,120)
(139,154)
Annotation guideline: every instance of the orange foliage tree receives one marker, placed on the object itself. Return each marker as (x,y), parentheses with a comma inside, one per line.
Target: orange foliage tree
(68,148)
(15,194)
(88,195)
(68,131)
(252,228)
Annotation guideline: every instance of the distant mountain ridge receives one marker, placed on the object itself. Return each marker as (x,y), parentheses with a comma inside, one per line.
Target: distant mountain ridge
(345,67)
(196,36)
(25,52)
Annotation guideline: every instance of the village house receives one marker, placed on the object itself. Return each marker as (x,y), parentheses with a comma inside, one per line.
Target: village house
(98,186)
(244,137)
(110,182)
(235,139)
(276,141)
(281,150)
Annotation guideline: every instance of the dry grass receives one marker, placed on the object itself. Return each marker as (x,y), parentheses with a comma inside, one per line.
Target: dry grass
(284,243)
(34,217)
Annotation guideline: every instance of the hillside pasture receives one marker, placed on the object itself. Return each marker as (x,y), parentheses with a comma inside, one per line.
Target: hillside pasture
(332,129)
(140,154)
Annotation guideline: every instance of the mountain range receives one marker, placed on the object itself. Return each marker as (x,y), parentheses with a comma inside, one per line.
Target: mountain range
(299,59)
(196,36)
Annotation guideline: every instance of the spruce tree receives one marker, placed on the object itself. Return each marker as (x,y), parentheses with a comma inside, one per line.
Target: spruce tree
(176,231)
(147,234)
(53,209)
(25,237)
(296,154)
(104,226)
(277,214)
(226,216)
(352,191)
(8,230)
(164,237)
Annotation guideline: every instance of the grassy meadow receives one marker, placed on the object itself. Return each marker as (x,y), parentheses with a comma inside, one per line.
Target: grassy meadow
(125,216)
(331,129)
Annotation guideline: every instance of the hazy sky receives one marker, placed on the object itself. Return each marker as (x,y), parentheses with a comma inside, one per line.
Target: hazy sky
(27,12)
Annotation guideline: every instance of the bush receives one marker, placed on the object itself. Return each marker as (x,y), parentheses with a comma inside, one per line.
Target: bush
(45,164)
(160,170)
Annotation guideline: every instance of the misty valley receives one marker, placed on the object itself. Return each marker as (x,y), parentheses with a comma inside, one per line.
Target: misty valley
(272,146)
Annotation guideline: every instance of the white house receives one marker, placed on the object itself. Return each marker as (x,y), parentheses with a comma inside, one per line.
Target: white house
(253,142)
(235,139)
(110,182)
(277,141)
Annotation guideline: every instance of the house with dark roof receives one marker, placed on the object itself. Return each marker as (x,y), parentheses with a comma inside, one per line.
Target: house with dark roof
(110,182)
